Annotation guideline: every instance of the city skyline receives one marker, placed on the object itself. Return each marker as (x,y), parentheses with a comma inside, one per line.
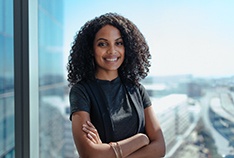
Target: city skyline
(194,37)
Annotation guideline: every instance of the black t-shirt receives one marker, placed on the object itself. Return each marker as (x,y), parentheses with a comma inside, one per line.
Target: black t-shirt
(122,112)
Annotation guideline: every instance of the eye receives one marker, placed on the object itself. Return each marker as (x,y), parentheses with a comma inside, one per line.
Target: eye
(120,43)
(102,44)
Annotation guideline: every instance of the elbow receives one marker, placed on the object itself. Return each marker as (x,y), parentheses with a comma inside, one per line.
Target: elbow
(163,149)
(161,152)
(160,148)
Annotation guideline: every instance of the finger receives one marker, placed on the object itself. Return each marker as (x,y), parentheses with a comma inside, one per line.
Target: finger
(90,124)
(90,137)
(94,136)
(90,128)
(87,131)
(93,129)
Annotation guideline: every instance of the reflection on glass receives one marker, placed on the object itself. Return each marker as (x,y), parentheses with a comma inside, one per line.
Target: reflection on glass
(50,42)
(6,80)
(54,125)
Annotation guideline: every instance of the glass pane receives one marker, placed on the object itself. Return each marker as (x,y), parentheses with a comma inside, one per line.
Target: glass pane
(9,111)
(54,127)
(1,15)
(2,126)
(50,42)
(7,140)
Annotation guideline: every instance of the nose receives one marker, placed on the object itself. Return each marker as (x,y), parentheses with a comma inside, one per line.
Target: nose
(112,49)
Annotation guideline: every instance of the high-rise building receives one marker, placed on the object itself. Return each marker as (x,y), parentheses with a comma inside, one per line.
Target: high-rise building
(55,138)
(7,138)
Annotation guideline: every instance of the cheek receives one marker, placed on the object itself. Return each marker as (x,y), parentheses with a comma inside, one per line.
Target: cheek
(97,57)
(123,52)
(96,53)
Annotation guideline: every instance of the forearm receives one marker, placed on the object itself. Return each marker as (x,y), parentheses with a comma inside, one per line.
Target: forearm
(155,149)
(128,146)
(134,143)
(97,151)
(94,144)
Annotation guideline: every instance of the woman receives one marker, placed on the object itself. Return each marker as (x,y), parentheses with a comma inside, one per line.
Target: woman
(111,112)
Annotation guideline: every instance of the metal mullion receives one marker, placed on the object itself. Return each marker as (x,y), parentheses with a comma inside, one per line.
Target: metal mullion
(21,79)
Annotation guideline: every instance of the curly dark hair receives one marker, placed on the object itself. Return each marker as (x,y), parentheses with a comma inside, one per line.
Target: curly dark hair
(136,62)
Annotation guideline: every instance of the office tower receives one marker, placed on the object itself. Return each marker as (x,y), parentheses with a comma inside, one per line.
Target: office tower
(6,79)
(55,132)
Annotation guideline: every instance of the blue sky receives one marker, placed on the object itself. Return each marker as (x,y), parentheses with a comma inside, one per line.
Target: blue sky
(185,37)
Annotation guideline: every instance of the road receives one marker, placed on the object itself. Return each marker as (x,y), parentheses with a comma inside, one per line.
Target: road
(220,141)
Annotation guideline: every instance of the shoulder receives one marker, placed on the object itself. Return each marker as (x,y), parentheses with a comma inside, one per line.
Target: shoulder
(142,93)
(141,88)
(76,87)
(133,87)
(80,86)
(135,90)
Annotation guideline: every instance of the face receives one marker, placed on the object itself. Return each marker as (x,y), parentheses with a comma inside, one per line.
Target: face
(108,50)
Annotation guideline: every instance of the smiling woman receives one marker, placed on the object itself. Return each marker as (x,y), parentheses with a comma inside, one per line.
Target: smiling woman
(111,112)
(136,51)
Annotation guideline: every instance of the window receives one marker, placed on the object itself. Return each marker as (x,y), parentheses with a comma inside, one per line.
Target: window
(7,131)
(192,69)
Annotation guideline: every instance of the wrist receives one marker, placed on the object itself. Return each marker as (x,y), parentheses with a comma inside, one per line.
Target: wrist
(117,149)
(144,138)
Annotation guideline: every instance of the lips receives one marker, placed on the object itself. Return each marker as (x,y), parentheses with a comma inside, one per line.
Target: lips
(111,59)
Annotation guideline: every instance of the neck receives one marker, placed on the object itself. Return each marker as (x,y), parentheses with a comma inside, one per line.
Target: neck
(106,76)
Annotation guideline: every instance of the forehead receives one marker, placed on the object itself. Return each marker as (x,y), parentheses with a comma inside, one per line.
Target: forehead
(108,31)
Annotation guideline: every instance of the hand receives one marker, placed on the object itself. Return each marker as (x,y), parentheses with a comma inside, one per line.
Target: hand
(91,132)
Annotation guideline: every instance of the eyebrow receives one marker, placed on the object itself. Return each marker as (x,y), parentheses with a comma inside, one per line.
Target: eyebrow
(107,40)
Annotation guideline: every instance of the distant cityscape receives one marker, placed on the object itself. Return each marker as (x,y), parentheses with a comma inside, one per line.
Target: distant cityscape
(197,116)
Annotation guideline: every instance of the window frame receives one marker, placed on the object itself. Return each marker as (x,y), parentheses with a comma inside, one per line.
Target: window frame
(26,78)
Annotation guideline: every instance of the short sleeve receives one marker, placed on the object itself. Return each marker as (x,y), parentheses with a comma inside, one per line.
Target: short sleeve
(79,99)
(145,97)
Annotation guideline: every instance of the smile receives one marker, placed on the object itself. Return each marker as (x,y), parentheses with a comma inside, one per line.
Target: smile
(111,59)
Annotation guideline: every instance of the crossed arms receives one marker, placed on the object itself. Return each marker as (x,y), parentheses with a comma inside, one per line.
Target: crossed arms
(140,145)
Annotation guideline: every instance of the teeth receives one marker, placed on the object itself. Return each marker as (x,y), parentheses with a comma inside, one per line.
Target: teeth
(112,59)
